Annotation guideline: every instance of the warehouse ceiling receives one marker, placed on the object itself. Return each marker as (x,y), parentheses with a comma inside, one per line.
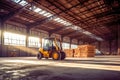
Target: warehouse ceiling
(87,20)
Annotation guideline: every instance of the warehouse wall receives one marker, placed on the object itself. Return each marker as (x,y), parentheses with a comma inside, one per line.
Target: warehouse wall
(114,47)
(66,39)
(104,47)
(74,41)
(19,50)
(80,43)
(21,29)
(56,35)
(13,51)
(0,38)
(119,39)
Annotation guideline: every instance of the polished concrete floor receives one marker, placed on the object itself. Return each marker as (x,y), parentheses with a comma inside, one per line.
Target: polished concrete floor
(29,68)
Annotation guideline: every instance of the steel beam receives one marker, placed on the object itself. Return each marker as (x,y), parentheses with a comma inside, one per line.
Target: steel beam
(40,22)
(67,34)
(13,13)
(76,37)
(65,11)
(57,29)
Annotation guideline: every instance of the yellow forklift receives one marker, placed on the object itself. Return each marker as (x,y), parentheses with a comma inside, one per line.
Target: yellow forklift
(51,48)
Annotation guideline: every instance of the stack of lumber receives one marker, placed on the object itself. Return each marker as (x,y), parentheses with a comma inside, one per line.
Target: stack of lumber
(85,51)
(77,52)
(69,52)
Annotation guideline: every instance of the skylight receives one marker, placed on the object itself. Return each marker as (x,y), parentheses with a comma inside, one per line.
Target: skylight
(21,2)
(16,1)
(87,33)
(37,10)
(57,19)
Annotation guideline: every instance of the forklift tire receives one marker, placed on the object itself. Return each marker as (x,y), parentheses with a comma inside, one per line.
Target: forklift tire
(56,56)
(62,55)
(39,56)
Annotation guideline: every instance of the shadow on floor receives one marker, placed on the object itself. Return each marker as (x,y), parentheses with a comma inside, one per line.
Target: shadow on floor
(59,73)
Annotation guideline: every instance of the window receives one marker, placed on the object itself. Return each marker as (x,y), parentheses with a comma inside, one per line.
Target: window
(14,39)
(73,46)
(34,42)
(21,2)
(65,45)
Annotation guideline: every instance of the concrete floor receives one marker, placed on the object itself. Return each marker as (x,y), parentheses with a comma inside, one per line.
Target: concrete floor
(29,68)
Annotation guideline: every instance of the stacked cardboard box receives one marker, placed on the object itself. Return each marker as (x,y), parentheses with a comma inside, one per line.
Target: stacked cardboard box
(85,51)
(69,52)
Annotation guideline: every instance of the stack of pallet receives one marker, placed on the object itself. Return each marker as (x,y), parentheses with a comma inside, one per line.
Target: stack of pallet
(85,51)
(69,52)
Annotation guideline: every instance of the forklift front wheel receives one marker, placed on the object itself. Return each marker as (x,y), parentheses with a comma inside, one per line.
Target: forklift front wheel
(56,56)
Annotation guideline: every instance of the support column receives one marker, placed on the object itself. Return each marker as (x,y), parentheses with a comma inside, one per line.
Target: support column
(119,38)
(49,35)
(99,46)
(77,42)
(70,43)
(27,35)
(62,39)
(1,37)
(110,47)
(41,42)
(61,42)
(27,40)
(83,42)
